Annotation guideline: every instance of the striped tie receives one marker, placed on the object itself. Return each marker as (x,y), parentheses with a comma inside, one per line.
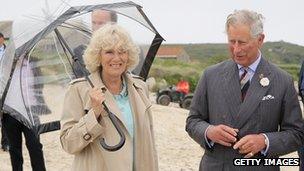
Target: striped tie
(245,82)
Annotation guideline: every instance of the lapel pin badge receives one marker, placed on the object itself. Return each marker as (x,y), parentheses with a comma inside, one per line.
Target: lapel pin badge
(264,81)
(261,76)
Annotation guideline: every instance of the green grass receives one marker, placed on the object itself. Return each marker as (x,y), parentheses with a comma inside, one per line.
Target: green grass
(287,56)
(174,71)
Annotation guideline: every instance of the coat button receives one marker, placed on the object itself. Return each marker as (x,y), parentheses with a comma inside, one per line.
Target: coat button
(87,136)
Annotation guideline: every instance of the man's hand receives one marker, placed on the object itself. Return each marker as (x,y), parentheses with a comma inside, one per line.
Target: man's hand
(250,144)
(222,134)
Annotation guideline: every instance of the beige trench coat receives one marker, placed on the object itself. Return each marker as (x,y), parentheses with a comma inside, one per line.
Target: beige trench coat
(80,133)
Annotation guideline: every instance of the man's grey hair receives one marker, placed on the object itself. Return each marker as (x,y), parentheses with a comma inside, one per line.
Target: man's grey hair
(253,19)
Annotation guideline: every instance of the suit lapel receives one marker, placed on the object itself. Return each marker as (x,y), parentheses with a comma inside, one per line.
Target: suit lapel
(254,94)
(232,89)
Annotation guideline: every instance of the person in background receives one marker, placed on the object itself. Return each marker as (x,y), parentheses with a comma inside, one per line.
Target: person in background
(245,107)
(301,93)
(2,45)
(99,18)
(4,140)
(110,55)
(301,82)
(15,128)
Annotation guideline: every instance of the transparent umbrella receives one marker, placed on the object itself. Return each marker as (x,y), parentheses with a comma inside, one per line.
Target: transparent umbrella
(37,64)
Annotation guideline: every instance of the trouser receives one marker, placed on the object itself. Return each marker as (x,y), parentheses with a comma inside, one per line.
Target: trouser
(14,131)
(301,156)
(4,140)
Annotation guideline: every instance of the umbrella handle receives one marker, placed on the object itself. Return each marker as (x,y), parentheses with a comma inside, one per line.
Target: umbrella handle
(114,121)
(119,130)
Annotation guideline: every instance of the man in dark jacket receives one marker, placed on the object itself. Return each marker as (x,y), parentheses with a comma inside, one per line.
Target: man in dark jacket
(301,82)
(301,93)
(98,19)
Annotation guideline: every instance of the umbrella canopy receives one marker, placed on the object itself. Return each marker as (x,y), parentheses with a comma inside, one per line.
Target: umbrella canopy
(37,63)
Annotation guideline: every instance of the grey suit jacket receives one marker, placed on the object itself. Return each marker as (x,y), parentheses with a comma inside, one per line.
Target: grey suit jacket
(217,100)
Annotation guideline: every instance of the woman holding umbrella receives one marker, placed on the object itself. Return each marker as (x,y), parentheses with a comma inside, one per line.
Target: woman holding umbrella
(109,57)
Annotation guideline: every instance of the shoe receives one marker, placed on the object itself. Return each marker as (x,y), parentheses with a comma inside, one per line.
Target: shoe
(5,148)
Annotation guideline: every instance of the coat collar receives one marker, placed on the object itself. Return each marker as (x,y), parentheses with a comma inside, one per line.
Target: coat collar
(97,82)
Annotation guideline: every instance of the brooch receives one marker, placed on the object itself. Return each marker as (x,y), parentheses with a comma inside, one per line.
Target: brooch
(264,81)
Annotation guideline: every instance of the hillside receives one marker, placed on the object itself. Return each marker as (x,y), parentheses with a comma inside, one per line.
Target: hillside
(283,52)
(278,52)
(286,55)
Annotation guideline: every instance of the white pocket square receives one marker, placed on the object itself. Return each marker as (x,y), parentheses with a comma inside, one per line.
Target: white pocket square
(268,97)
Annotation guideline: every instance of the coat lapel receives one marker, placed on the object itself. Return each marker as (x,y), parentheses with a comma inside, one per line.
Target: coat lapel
(254,94)
(232,89)
(139,104)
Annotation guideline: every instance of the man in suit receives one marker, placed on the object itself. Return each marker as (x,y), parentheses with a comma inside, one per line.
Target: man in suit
(301,82)
(98,19)
(301,93)
(246,106)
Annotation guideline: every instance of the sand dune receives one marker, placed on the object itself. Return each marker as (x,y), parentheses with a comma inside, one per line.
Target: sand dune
(176,151)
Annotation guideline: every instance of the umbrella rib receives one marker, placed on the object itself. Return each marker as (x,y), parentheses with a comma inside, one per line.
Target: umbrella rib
(79,28)
(65,48)
(63,2)
(65,68)
(31,119)
(27,90)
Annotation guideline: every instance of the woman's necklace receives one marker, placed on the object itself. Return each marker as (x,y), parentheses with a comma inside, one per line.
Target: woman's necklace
(112,87)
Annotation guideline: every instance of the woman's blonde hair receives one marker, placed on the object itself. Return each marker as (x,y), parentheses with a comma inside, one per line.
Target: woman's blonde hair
(110,36)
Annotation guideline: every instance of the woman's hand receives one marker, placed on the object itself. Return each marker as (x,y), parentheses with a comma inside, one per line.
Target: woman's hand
(97,97)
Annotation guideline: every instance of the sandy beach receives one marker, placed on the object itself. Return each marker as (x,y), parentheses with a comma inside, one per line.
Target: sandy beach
(176,151)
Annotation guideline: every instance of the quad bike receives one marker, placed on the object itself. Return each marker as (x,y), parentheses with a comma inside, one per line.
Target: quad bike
(178,94)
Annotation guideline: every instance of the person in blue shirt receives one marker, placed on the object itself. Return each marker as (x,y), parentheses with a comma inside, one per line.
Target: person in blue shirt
(2,45)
